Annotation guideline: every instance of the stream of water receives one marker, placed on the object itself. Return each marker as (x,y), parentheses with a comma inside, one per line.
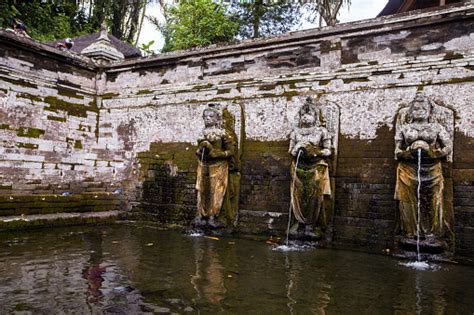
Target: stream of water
(418,206)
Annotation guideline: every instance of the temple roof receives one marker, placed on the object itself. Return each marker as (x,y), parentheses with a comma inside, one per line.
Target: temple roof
(400,6)
(84,41)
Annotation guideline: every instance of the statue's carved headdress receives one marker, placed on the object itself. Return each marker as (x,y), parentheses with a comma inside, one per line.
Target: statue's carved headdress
(420,98)
(311,108)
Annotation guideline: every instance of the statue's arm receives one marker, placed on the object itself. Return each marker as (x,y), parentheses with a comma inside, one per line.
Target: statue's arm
(205,145)
(446,143)
(227,150)
(326,141)
(400,151)
(292,143)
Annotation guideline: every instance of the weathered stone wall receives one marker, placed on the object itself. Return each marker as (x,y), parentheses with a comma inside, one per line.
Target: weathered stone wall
(370,69)
(49,132)
(149,116)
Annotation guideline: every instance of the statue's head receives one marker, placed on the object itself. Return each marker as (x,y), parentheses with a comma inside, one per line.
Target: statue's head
(420,109)
(212,116)
(308,114)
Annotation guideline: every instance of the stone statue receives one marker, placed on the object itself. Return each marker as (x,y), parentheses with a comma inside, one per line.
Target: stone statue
(218,171)
(310,147)
(423,140)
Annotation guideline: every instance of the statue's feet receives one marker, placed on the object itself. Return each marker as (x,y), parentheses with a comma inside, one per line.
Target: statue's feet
(198,222)
(215,223)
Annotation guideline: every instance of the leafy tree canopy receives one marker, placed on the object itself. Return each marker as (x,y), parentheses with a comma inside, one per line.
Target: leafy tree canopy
(58,19)
(263,18)
(196,23)
(46,20)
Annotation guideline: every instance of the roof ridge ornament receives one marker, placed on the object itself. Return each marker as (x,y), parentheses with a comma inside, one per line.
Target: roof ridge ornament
(102,50)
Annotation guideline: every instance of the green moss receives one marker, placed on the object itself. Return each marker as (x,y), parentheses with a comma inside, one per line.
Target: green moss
(202,86)
(19,82)
(452,56)
(73,109)
(223,91)
(30,132)
(5,127)
(289,95)
(6,187)
(27,145)
(64,91)
(373,63)
(78,144)
(144,92)
(29,96)
(267,87)
(470,67)
(461,80)
(54,118)
(109,95)
(324,82)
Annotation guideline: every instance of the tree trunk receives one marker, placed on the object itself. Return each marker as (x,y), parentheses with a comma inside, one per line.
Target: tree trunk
(257,14)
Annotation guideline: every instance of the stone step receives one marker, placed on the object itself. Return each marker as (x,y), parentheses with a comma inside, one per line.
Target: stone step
(57,219)
(44,204)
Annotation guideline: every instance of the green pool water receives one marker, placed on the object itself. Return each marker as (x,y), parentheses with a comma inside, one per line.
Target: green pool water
(131,269)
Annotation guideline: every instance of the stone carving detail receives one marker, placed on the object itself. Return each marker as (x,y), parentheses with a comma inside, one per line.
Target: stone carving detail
(218,173)
(424,142)
(312,146)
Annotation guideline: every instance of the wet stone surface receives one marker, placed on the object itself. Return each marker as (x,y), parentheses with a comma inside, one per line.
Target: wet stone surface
(131,269)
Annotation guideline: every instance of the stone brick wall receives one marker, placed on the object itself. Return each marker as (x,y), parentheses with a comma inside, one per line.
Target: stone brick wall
(49,132)
(149,116)
(369,68)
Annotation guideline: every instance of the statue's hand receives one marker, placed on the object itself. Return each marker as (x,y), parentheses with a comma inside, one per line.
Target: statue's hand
(217,154)
(420,144)
(205,146)
(404,154)
(436,153)
(296,149)
(325,152)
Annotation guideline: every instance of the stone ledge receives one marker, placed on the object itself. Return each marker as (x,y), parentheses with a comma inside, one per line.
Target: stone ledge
(57,219)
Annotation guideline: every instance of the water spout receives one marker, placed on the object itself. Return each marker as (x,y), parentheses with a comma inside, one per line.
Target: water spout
(291,201)
(202,155)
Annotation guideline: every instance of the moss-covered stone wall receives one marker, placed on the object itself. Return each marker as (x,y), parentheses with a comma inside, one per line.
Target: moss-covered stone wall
(136,122)
(370,69)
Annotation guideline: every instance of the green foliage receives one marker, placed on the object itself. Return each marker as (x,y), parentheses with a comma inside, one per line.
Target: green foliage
(146,48)
(196,23)
(261,18)
(46,20)
(57,19)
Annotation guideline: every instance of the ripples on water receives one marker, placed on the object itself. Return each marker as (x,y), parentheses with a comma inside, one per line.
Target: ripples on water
(136,270)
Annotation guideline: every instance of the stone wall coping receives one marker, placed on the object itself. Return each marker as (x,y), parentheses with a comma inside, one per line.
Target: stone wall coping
(345,30)
(11,39)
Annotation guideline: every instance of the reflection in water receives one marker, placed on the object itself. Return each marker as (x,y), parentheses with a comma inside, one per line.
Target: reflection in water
(93,271)
(81,270)
(208,281)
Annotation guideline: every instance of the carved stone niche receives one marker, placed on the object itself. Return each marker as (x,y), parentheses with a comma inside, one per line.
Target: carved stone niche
(424,151)
(313,146)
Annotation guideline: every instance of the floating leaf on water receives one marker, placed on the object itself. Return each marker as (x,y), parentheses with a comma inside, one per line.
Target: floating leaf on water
(115,242)
(231,243)
(149,244)
(212,238)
